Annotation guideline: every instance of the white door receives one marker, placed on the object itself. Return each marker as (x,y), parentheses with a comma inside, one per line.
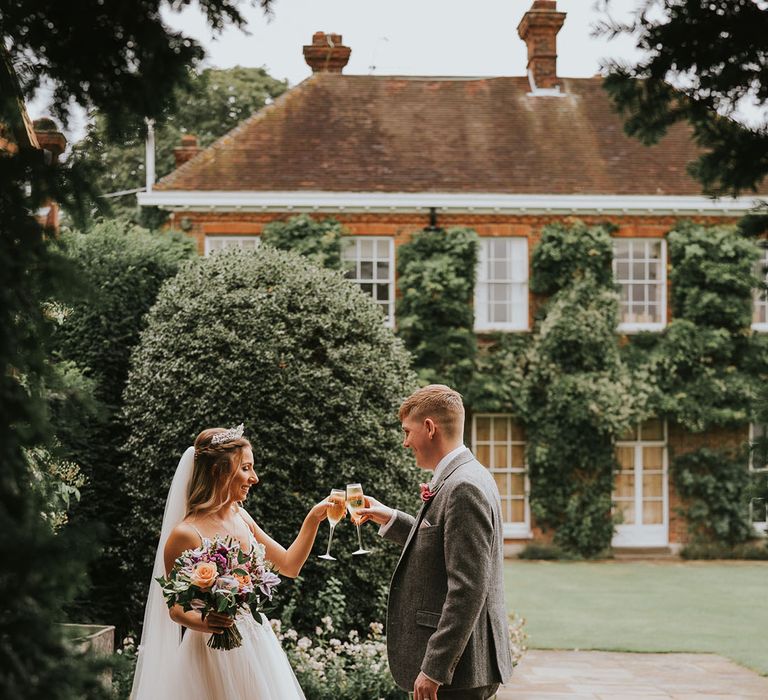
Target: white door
(640,492)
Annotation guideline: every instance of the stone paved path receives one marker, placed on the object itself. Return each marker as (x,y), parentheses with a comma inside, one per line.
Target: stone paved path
(603,675)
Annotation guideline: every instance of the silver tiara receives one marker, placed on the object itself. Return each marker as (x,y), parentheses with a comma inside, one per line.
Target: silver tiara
(227,435)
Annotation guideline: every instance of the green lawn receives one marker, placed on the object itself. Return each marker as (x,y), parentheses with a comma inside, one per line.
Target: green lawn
(719,607)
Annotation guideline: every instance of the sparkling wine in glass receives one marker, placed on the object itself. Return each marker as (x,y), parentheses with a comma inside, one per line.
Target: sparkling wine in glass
(335,513)
(356,501)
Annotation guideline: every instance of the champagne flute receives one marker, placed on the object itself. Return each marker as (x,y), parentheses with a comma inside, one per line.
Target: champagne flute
(335,513)
(356,501)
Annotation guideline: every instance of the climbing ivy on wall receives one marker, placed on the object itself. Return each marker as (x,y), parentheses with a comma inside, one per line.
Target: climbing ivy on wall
(580,395)
(436,280)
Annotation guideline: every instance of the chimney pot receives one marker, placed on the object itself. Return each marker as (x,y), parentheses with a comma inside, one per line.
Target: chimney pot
(326,53)
(538,29)
(188,149)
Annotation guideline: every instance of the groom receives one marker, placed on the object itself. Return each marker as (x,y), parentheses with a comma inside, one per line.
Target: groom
(447,632)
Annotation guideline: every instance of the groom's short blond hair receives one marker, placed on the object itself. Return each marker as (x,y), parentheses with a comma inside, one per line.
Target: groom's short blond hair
(438,402)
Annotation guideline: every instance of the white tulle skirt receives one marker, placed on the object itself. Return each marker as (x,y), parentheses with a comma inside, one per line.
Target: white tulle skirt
(257,670)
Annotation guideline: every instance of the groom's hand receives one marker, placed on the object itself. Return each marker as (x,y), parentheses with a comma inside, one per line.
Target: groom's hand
(425,688)
(378,512)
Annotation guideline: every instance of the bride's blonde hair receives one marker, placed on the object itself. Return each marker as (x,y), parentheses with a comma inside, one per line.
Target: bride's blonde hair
(215,467)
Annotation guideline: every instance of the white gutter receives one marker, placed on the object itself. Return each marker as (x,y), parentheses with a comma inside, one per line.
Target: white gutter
(183,200)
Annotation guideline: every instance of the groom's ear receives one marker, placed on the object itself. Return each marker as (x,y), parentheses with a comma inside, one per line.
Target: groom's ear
(429,424)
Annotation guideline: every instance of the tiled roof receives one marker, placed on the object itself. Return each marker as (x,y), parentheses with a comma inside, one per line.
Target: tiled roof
(356,133)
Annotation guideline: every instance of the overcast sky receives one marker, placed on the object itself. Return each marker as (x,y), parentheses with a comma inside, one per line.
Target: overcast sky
(408,37)
(398,37)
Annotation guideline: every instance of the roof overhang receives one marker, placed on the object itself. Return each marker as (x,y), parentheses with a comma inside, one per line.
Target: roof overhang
(409,202)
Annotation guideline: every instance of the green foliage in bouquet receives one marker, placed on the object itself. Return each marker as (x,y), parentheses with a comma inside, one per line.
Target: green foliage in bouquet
(580,395)
(121,268)
(436,278)
(319,240)
(299,355)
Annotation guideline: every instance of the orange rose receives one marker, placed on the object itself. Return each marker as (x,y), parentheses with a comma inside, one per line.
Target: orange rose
(204,575)
(244,580)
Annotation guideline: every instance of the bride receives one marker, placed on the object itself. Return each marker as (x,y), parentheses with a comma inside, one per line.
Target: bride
(212,478)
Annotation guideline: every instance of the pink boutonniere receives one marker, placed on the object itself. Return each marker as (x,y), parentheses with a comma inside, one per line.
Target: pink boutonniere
(426,493)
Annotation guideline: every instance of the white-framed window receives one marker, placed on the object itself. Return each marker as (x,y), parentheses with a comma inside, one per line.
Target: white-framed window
(758,462)
(759,300)
(501,291)
(370,263)
(498,442)
(640,487)
(639,268)
(213,244)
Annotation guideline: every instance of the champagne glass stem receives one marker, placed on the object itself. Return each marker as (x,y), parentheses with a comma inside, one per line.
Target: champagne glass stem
(359,538)
(330,539)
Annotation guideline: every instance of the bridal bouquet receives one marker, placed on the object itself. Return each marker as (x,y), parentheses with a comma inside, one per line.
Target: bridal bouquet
(220,577)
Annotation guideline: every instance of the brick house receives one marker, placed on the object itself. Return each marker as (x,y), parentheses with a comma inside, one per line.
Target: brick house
(386,155)
(20,134)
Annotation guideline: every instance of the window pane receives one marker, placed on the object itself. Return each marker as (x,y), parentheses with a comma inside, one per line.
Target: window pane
(653,485)
(652,430)
(500,429)
(517,511)
(366,270)
(483,454)
(518,432)
(382,292)
(626,457)
(517,482)
(518,456)
(759,511)
(501,483)
(620,248)
(625,486)
(483,428)
(653,512)
(500,456)
(382,249)
(365,248)
(382,270)
(653,458)
(627,511)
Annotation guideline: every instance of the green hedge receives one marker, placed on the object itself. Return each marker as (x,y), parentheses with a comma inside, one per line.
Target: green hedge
(318,240)
(300,356)
(121,268)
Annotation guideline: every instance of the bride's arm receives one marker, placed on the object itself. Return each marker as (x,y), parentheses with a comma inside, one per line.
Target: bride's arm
(184,537)
(289,561)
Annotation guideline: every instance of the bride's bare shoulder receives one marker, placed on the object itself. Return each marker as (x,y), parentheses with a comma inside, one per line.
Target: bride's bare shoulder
(184,536)
(248,518)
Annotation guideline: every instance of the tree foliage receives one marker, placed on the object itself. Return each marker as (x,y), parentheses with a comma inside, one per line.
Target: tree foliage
(301,357)
(436,279)
(123,60)
(701,58)
(121,268)
(210,104)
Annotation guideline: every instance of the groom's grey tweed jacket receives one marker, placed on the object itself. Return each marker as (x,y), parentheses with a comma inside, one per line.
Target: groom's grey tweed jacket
(446,613)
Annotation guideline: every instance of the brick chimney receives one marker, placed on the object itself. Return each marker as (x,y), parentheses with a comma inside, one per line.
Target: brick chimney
(326,53)
(538,29)
(188,149)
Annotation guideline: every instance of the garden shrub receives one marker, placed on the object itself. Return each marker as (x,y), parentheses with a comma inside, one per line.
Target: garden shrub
(302,358)
(319,240)
(546,552)
(121,268)
(436,278)
(754,551)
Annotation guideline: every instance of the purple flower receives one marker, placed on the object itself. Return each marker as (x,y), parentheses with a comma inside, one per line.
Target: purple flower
(268,582)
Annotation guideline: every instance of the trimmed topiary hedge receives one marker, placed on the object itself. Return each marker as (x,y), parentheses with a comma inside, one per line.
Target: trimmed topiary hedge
(300,356)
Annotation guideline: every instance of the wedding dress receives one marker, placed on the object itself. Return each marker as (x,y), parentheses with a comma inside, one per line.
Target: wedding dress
(171,667)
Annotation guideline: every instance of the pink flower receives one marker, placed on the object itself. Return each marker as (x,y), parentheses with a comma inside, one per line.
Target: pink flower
(426,493)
